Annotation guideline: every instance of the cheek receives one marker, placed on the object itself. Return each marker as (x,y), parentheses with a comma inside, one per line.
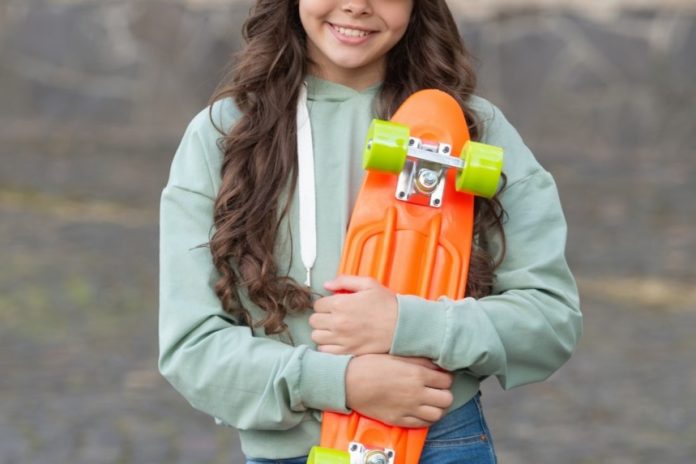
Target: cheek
(399,28)
(312,16)
(312,9)
(400,15)
(304,17)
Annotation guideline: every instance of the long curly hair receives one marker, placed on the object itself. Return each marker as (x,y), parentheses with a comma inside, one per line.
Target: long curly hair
(260,155)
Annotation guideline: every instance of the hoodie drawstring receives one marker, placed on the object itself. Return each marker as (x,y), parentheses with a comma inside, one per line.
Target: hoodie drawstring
(306,187)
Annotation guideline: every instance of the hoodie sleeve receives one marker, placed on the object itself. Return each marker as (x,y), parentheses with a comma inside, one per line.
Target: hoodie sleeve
(529,326)
(221,368)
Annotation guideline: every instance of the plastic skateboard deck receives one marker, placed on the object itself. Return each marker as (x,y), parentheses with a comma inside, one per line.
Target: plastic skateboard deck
(415,241)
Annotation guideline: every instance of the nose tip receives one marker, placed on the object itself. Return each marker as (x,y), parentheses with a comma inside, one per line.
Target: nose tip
(357,7)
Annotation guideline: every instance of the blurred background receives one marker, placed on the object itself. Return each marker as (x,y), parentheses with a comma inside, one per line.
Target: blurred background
(94,97)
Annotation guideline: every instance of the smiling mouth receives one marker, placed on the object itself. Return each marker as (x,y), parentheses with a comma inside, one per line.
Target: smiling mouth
(350,32)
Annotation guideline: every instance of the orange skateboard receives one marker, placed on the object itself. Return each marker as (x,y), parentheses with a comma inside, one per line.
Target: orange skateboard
(411,230)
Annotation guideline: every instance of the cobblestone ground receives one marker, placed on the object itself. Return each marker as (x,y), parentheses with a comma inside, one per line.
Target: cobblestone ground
(609,109)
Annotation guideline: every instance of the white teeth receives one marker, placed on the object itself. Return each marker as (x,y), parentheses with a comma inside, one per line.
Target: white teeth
(351,32)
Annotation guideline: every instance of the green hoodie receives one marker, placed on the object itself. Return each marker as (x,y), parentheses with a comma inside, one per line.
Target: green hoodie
(272,391)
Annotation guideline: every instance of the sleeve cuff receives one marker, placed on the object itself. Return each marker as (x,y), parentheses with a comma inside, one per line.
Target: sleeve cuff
(323,381)
(420,328)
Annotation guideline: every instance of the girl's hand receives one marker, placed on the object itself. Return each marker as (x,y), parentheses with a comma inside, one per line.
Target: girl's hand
(407,392)
(359,322)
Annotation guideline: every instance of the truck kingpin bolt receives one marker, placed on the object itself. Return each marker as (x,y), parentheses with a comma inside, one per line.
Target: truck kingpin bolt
(427,180)
(376,457)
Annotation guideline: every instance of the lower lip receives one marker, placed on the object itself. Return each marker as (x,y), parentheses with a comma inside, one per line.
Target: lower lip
(344,39)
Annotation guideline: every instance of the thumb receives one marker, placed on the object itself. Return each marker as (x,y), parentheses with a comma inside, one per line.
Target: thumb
(351,284)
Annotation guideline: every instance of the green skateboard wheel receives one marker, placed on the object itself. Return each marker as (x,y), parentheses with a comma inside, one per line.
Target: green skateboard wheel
(482,168)
(386,146)
(319,455)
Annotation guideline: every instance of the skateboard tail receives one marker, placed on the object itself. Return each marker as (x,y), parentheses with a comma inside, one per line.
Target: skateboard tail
(371,433)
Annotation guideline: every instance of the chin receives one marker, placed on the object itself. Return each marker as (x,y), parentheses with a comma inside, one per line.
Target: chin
(350,64)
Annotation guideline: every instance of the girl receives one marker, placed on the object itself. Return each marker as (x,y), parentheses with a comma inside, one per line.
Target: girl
(249,330)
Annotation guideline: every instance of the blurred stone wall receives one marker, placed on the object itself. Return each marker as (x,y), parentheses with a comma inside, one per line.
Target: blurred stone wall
(102,67)
(602,91)
(110,68)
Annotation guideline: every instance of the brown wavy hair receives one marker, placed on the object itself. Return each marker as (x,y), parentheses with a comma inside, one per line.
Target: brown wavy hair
(259,169)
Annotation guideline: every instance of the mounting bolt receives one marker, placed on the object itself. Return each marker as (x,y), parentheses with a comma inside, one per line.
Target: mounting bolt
(376,457)
(427,180)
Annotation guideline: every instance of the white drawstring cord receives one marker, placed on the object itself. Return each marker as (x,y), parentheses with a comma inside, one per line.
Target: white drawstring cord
(306,187)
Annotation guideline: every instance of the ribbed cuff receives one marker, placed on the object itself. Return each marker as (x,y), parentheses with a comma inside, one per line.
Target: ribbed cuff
(420,328)
(323,381)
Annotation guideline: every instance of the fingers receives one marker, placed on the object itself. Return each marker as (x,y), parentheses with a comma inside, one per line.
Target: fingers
(323,305)
(321,321)
(433,375)
(425,416)
(440,399)
(408,394)
(423,362)
(329,303)
(412,422)
(351,283)
(327,343)
(431,412)
(332,349)
(322,337)
(438,379)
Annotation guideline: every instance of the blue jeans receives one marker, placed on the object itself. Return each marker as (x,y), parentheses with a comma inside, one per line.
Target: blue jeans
(462,436)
